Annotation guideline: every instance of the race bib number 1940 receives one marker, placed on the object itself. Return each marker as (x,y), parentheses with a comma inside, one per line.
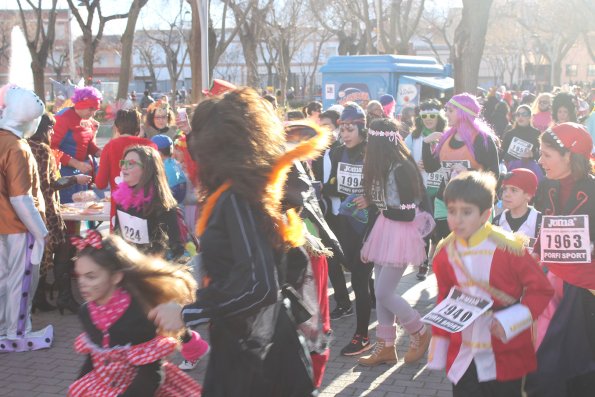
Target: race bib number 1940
(133,229)
(565,239)
(457,311)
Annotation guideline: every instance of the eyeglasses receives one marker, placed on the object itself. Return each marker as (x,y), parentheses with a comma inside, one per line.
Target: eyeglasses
(425,116)
(129,163)
(522,114)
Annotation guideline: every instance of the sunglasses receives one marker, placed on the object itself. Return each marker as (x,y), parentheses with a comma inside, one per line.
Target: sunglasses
(129,163)
(544,102)
(431,116)
(522,114)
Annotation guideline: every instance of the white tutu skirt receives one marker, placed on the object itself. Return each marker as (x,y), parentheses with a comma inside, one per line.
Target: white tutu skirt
(394,243)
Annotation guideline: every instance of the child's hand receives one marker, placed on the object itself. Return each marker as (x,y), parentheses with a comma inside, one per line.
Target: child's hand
(497,330)
(167,317)
(83,179)
(361,202)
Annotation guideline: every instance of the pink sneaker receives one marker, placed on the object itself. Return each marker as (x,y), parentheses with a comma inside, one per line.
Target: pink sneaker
(193,350)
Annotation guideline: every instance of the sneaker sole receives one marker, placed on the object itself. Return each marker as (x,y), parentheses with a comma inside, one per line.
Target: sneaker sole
(365,349)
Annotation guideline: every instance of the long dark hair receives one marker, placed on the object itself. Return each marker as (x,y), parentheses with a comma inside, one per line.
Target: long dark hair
(153,178)
(238,137)
(382,154)
(430,104)
(42,134)
(312,107)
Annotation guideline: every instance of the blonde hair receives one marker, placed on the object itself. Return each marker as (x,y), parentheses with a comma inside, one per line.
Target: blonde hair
(535,105)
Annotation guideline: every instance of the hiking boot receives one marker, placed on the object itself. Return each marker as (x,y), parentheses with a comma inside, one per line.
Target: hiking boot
(418,345)
(381,354)
(358,345)
(341,312)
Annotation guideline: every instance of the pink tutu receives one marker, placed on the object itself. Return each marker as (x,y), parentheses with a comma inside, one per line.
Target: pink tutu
(394,243)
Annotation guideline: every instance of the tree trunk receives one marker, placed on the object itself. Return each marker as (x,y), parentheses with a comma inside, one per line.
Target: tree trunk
(469,44)
(88,57)
(38,79)
(127,41)
(195,50)
(250,46)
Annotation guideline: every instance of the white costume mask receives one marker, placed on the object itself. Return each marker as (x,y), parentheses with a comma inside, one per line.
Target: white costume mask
(20,110)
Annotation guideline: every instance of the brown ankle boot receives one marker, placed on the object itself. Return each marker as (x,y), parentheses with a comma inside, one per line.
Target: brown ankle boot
(418,345)
(381,354)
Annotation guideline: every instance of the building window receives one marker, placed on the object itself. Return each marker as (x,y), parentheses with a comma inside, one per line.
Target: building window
(591,71)
(571,70)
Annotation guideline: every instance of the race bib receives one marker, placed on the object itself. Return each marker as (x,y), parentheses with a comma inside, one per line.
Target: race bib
(457,311)
(378,196)
(349,178)
(520,148)
(448,165)
(133,229)
(565,239)
(434,179)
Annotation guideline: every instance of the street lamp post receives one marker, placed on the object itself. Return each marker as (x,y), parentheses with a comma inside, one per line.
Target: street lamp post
(203,15)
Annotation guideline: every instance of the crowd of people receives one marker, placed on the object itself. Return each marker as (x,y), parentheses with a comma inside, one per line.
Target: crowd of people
(239,219)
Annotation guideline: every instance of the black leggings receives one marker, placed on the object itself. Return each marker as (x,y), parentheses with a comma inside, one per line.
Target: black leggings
(470,386)
(361,273)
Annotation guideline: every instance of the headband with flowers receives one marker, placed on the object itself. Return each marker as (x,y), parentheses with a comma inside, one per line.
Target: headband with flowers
(391,135)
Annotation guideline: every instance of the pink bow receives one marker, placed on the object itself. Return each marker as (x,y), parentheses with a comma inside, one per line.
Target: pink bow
(92,239)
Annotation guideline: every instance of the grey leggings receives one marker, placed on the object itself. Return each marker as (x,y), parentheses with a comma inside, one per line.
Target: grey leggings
(390,306)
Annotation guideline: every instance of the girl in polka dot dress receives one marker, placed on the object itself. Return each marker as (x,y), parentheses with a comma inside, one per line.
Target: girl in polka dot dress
(125,352)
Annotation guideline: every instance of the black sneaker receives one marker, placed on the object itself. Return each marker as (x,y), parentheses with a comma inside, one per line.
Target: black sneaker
(422,272)
(358,345)
(341,312)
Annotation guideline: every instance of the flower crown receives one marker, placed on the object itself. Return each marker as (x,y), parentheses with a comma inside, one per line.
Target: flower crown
(389,134)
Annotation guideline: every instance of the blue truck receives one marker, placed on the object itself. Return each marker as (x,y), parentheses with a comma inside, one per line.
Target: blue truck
(361,78)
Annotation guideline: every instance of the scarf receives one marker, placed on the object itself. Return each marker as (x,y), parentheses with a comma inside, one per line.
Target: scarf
(104,316)
(126,197)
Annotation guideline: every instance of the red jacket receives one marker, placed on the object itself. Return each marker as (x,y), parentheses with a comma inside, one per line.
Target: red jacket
(496,257)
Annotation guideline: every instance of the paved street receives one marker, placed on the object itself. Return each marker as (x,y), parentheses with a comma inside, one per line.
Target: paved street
(48,373)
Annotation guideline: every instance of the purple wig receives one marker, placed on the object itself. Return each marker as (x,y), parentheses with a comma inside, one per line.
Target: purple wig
(88,92)
(469,122)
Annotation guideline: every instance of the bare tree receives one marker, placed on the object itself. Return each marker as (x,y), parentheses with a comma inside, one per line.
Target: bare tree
(250,17)
(40,39)
(218,45)
(149,57)
(127,40)
(437,29)
(286,30)
(403,20)
(57,62)
(6,26)
(91,42)
(173,43)
(469,43)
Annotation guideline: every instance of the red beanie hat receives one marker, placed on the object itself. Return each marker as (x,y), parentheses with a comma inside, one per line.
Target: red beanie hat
(573,137)
(522,178)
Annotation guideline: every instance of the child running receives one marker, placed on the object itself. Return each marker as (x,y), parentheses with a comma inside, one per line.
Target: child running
(125,352)
(492,355)
(393,183)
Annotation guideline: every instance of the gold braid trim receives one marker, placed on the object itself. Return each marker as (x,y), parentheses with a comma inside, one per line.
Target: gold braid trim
(497,294)
(444,242)
(514,243)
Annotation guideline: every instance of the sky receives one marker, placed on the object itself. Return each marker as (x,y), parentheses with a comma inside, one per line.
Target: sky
(157,13)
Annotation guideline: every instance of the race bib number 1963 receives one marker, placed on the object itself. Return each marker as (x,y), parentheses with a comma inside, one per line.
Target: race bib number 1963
(349,178)
(565,239)
(457,311)
(133,229)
